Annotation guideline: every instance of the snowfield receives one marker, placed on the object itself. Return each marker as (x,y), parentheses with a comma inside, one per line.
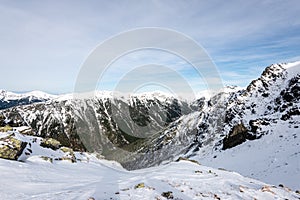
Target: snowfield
(274,158)
(36,179)
(94,178)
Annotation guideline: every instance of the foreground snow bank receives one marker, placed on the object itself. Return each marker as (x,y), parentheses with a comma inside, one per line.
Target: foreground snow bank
(44,173)
(100,179)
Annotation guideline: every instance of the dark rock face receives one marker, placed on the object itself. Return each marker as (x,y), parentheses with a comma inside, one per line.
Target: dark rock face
(168,195)
(236,136)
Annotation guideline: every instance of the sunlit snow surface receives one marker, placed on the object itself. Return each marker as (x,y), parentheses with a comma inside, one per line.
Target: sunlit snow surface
(35,178)
(274,158)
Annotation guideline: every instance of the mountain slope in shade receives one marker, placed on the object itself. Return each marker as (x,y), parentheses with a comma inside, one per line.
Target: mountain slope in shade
(37,178)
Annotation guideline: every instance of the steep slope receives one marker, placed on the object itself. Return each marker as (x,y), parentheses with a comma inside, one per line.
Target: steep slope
(242,121)
(186,135)
(269,109)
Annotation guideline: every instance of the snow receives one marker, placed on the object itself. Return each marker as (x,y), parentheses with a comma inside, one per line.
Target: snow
(207,94)
(35,178)
(40,94)
(186,180)
(6,95)
(274,158)
(292,64)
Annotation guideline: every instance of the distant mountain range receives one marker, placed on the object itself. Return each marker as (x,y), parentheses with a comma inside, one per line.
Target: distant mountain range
(10,99)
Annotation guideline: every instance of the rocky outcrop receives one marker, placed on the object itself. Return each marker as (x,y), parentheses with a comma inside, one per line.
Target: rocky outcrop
(50,143)
(68,154)
(236,136)
(11,148)
(6,128)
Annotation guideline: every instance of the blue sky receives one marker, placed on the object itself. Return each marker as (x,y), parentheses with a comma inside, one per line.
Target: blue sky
(44,43)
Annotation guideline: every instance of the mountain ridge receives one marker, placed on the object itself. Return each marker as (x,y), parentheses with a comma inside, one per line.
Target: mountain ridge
(202,129)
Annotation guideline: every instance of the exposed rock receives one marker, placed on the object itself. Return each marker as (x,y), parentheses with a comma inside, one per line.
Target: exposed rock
(50,143)
(6,128)
(140,185)
(69,154)
(187,159)
(168,195)
(236,136)
(48,159)
(11,148)
(26,131)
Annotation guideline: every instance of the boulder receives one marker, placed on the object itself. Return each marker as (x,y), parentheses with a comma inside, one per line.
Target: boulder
(6,128)
(11,148)
(50,143)
(69,154)
(168,195)
(140,185)
(237,135)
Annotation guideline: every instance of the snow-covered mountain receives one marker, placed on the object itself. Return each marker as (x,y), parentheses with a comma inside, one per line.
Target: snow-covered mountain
(10,99)
(269,109)
(98,119)
(254,131)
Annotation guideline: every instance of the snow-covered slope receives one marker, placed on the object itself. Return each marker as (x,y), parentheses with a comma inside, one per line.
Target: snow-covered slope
(274,158)
(253,131)
(92,178)
(269,110)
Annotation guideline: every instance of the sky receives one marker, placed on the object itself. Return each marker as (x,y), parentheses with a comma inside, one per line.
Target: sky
(45,43)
